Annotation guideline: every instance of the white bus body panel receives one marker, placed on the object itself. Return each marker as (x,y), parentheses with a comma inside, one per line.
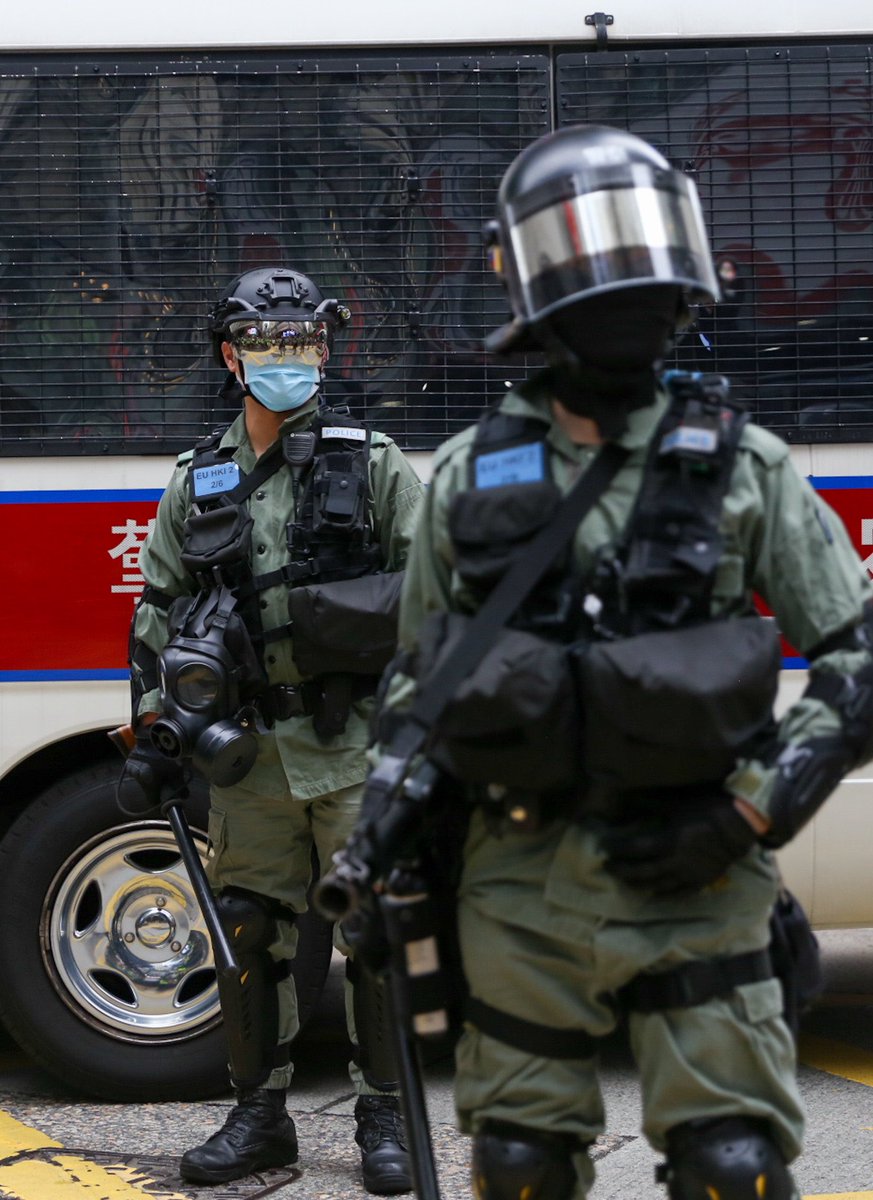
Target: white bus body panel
(200,25)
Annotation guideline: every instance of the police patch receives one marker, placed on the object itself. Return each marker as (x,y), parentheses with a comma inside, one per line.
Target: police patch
(212,480)
(518,464)
(347,433)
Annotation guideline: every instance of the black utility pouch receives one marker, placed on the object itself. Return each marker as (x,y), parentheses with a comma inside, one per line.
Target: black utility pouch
(794,952)
(514,719)
(221,537)
(346,626)
(490,527)
(675,707)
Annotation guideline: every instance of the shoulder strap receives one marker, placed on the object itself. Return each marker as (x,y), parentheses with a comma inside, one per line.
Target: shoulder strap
(518,582)
(268,464)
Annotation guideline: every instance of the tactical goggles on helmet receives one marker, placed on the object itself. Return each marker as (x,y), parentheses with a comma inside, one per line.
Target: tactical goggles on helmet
(265,342)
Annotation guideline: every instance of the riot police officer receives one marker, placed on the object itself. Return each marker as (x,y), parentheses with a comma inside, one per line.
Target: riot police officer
(628,778)
(272,574)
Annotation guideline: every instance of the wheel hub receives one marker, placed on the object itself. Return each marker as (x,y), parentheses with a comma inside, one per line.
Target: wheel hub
(155,927)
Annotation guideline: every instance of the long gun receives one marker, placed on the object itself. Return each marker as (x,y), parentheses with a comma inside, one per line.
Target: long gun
(396,800)
(376,874)
(226,965)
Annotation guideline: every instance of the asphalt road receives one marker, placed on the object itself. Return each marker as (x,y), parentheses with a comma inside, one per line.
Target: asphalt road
(55,1145)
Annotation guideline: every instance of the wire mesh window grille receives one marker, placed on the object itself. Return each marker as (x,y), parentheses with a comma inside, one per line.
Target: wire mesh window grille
(780,142)
(133,191)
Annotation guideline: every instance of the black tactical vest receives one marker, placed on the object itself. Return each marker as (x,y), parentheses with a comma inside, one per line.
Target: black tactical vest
(331,535)
(661,573)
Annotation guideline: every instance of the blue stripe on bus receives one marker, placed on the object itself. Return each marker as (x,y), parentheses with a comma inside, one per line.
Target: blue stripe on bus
(109,495)
(849,482)
(63,676)
(788,664)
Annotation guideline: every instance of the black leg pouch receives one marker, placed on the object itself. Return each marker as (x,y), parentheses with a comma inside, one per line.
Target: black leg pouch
(796,958)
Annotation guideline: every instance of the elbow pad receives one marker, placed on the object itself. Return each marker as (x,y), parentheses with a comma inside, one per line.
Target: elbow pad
(143,662)
(849,693)
(809,772)
(806,776)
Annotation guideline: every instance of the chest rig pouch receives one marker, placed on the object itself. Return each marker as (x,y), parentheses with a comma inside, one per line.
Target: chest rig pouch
(343,609)
(217,536)
(670,695)
(513,721)
(332,535)
(511,496)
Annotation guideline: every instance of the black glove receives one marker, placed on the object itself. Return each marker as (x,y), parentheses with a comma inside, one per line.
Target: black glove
(148,779)
(680,851)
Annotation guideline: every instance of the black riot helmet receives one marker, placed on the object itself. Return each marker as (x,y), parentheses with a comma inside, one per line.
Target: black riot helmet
(268,298)
(589,211)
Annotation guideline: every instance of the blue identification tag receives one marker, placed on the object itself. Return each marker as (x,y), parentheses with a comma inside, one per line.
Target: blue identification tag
(690,437)
(519,464)
(211,481)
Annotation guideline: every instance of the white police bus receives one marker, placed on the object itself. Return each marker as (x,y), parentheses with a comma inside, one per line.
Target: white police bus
(150,153)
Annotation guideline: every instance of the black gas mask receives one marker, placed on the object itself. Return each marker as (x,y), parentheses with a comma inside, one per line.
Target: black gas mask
(209,674)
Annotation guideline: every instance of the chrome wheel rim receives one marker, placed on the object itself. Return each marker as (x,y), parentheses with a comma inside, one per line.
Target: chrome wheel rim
(124,940)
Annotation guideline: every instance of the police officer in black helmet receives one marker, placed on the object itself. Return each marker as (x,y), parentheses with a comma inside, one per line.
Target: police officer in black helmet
(273,572)
(628,780)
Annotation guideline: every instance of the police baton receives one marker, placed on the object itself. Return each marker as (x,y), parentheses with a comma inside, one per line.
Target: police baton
(226,964)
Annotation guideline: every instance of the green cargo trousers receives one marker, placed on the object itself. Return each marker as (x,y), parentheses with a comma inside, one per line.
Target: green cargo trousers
(547,935)
(265,843)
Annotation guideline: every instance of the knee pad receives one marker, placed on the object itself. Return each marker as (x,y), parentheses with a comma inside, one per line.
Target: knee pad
(734,1158)
(510,1161)
(249,920)
(250,1000)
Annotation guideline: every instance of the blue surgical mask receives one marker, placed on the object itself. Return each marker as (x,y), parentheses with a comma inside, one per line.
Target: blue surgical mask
(281,386)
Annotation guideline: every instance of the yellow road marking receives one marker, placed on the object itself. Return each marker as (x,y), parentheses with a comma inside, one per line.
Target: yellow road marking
(62,1176)
(837,1058)
(16,1138)
(68,1177)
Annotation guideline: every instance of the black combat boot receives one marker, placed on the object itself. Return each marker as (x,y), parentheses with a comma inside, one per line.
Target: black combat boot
(257,1134)
(384,1158)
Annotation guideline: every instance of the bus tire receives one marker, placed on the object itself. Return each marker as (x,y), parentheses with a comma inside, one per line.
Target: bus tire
(107,971)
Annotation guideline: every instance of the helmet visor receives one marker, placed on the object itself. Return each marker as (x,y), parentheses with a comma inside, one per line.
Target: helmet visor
(650,231)
(265,343)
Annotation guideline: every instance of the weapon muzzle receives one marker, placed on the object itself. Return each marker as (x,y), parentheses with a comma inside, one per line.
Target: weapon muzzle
(340,892)
(334,898)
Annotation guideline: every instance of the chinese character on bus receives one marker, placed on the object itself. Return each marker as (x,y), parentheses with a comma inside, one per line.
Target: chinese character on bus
(132,537)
